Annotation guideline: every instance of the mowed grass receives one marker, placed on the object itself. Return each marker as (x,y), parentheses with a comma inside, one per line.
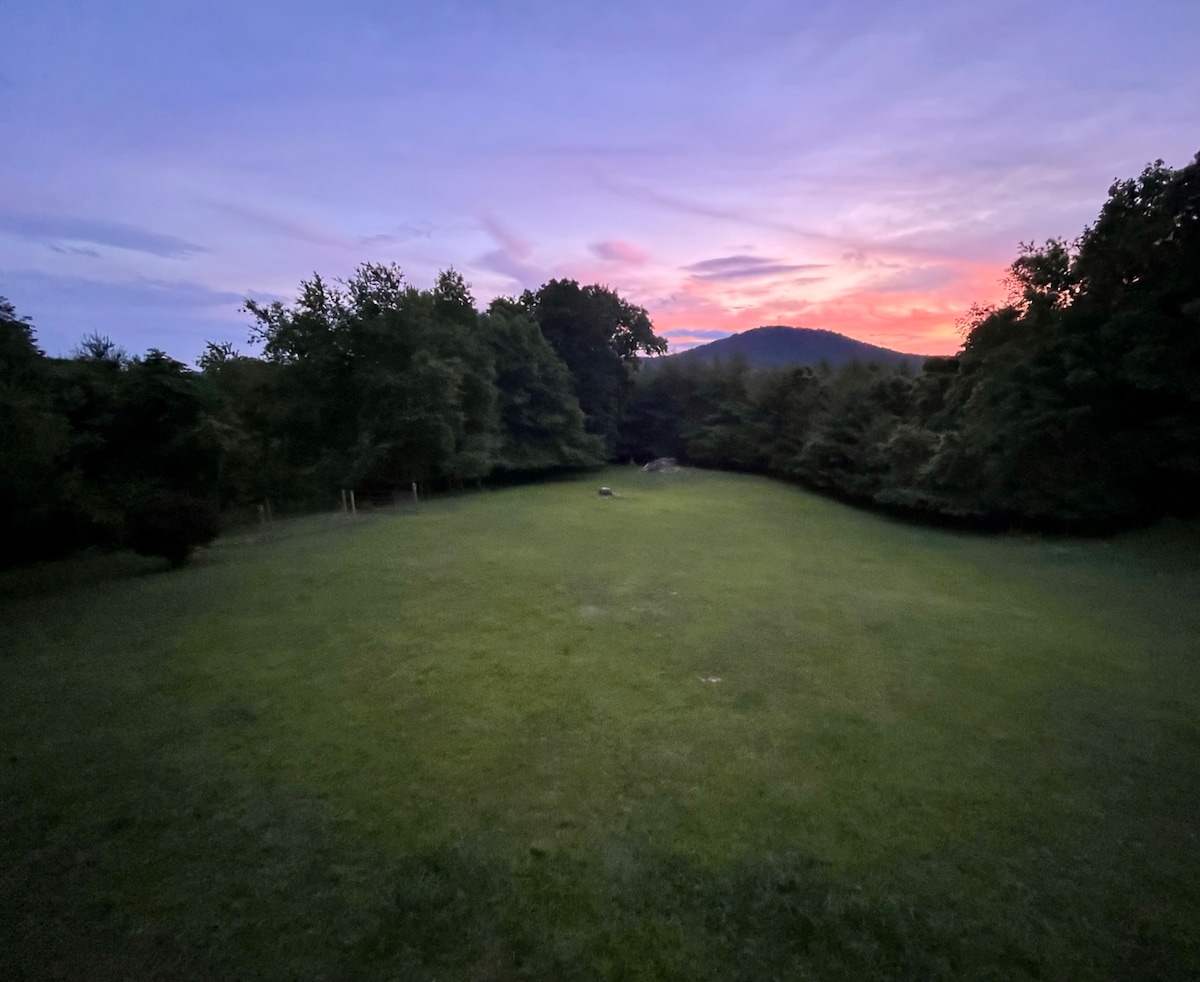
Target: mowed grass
(488,741)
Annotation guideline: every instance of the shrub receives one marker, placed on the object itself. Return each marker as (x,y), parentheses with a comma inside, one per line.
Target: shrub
(171,525)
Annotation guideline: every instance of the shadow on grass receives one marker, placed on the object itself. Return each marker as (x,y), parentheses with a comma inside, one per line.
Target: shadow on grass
(86,569)
(785,916)
(249,883)
(101,567)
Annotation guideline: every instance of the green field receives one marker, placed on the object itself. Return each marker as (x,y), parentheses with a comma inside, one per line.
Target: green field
(485,741)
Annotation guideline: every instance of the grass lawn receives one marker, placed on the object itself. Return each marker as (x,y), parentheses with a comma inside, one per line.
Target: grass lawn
(487,741)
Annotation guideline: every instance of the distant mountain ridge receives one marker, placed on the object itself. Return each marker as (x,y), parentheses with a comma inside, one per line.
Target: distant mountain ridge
(778,345)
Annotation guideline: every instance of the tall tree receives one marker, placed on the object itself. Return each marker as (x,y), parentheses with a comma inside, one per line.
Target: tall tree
(599,336)
(1078,402)
(33,442)
(398,381)
(541,421)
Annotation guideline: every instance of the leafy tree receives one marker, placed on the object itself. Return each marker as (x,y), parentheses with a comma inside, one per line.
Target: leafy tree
(664,404)
(542,425)
(100,349)
(599,336)
(33,441)
(727,432)
(1042,276)
(397,382)
(246,430)
(160,419)
(1077,403)
(844,450)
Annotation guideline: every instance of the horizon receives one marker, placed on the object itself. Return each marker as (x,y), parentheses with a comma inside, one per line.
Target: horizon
(726,171)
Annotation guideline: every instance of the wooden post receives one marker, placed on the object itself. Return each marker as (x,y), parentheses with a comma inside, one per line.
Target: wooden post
(353,509)
(416,500)
(344,507)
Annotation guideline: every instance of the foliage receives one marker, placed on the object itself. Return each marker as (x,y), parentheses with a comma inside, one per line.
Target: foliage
(170,525)
(397,384)
(369,383)
(33,442)
(1078,402)
(83,437)
(598,336)
(541,421)
(1074,405)
(404,385)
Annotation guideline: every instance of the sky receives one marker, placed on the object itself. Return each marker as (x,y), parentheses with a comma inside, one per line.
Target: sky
(864,167)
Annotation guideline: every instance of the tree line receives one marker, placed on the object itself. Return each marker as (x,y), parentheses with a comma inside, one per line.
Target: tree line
(371,384)
(1075,404)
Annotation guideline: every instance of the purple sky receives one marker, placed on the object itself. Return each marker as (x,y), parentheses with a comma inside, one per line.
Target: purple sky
(863,167)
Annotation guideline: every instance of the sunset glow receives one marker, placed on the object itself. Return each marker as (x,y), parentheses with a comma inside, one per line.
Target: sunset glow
(868,171)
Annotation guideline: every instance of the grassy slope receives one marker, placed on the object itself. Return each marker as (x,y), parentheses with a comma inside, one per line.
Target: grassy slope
(475,743)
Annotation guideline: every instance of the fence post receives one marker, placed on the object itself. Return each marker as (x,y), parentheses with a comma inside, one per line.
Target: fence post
(353,509)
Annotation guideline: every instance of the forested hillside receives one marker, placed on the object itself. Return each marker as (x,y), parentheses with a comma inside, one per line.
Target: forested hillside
(1076,404)
(778,346)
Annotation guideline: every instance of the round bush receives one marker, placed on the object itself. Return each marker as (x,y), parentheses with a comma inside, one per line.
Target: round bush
(171,525)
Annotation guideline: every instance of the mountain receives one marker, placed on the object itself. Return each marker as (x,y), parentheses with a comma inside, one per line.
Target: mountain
(770,347)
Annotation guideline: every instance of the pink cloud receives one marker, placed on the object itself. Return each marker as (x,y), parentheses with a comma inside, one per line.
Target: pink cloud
(618,251)
(513,257)
(741,267)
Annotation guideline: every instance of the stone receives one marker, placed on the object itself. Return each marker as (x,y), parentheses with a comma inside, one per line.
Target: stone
(667,465)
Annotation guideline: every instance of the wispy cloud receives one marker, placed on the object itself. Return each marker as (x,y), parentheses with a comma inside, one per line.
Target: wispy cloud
(55,230)
(138,312)
(929,279)
(382,239)
(511,260)
(261,296)
(725,268)
(617,251)
(735,216)
(271,221)
(399,234)
(75,251)
(139,291)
